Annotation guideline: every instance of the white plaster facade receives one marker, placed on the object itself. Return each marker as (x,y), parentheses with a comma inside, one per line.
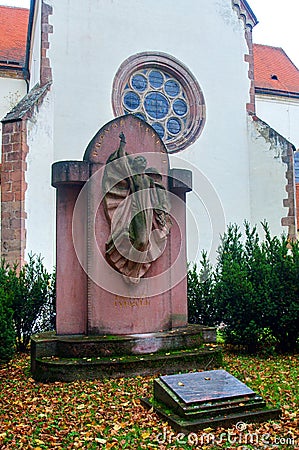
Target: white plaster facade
(90,41)
(281,113)
(40,224)
(11,92)
(267,172)
(35,50)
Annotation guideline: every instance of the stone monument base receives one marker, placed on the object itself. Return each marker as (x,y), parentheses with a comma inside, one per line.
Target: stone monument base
(209,399)
(69,357)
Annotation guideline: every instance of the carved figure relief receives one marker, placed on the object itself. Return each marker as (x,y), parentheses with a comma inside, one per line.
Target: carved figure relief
(137,208)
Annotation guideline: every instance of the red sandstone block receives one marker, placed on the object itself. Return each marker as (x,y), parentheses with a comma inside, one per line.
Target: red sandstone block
(17,126)
(16,137)
(17,186)
(44,37)
(7,197)
(19,196)
(46,63)
(5,222)
(5,215)
(7,167)
(287,221)
(8,127)
(7,148)
(16,175)
(47,9)
(5,176)
(7,234)
(250,107)
(6,138)
(15,224)
(248,58)
(17,147)
(18,165)
(47,28)
(12,156)
(46,74)
(6,188)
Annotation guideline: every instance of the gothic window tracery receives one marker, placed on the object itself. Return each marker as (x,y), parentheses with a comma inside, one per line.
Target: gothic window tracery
(160,90)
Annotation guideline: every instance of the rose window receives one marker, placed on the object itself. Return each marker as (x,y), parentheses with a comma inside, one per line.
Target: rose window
(163,94)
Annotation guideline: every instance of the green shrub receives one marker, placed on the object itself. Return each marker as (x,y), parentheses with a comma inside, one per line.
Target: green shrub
(7,332)
(282,257)
(253,290)
(33,300)
(201,301)
(30,294)
(238,301)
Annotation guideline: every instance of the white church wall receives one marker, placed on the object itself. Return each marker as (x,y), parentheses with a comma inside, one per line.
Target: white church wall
(11,92)
(90,42)
(268,177)
(40,196)
(281,113)
(36,47)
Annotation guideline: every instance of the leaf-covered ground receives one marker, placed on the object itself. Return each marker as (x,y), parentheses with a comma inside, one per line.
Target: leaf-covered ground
(107,414)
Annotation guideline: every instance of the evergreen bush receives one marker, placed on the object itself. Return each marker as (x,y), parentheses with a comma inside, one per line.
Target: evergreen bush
(7,331)
(253,290)
(201,300)
(33,300)
(27,301)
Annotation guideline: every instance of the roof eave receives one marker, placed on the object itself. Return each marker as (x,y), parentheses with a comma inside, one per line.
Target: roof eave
(276,92)
(246,12)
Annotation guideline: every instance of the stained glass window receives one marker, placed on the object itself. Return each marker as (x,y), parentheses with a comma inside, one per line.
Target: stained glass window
(157,98)
(160,90)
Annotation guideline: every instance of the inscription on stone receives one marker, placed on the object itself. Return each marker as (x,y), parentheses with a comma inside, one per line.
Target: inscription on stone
(125,302)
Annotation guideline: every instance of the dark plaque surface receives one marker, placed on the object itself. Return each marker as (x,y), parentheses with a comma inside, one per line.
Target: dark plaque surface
(206,386)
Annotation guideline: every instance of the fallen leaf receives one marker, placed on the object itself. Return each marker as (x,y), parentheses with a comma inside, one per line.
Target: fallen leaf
(100,440)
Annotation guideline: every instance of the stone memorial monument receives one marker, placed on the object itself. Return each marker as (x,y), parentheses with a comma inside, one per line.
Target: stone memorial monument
(121,295)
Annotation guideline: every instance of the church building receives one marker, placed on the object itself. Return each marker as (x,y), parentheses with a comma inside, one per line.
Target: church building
(186,68)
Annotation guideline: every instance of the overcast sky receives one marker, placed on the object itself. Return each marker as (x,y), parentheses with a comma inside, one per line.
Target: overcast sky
(278,23)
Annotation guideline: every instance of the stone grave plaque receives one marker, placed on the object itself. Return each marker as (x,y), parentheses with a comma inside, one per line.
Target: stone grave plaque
(213,398)
(206,386)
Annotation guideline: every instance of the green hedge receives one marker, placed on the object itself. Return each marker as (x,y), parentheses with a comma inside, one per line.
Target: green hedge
(7,331)
(252,291)
(27,304)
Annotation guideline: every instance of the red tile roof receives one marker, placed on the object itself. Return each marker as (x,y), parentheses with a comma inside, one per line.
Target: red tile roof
(273,70)
(13,35)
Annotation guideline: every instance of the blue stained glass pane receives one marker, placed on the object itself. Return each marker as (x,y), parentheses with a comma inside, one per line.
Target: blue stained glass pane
(131,100)
(172,88)
(159,129)
(140,116)
(180,107)
(139,82)
(156,79)
(174,125)
(156,105)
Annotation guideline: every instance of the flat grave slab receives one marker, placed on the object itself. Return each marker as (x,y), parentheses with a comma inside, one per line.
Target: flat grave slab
(193,401)
(206,386)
